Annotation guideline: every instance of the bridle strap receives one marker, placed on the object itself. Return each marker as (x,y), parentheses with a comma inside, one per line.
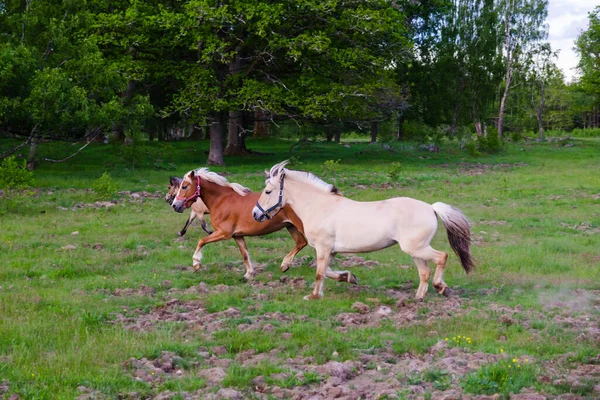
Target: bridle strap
(192,197)
(279,201)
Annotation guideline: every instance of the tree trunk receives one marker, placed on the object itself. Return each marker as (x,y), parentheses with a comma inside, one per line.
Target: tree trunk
(337,133)
(234,129)
(508,76)
(373,131)
(478,129)
(261,124)
(31,159)
(540,114)
(215,155)
(400,128)
(500,124)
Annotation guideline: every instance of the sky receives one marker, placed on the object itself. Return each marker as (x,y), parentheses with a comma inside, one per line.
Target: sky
(566,20)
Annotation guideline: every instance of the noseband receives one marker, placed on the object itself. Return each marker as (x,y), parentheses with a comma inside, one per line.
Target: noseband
(266,213)
(192,197)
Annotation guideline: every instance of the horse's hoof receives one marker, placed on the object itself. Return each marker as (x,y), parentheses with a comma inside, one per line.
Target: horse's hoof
(196,268)
(248,277)
(180,233)
(446,292)
(285,268)
(352,279)
(312,297)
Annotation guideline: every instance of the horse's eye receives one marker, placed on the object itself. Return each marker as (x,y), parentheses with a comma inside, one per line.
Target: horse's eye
(268,191)
(184,187)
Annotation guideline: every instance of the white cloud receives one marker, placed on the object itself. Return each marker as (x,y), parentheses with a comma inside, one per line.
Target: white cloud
(566,20)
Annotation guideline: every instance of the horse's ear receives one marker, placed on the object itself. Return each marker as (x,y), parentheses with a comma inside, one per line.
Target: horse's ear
(267,174)
(173,181)
(192,174)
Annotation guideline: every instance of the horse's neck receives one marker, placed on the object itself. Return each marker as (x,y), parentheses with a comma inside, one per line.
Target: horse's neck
(306,200)
(211,192)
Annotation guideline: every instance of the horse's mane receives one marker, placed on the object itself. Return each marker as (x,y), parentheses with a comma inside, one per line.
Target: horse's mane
(302,176)
(213,177)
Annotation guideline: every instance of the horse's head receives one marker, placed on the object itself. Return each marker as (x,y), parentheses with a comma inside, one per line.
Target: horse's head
(188,191)
(174,184)
(272,199)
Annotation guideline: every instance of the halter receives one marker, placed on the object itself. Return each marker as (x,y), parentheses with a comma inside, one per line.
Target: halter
(192,197)
(266,213)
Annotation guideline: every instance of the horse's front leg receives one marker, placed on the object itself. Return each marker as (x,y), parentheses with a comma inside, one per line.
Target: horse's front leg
(323,258)
(204,225)
(300,244)
(241,243)
(189,221)
(214,237)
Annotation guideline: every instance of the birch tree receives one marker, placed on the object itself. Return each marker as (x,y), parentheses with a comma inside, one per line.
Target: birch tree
(522,26)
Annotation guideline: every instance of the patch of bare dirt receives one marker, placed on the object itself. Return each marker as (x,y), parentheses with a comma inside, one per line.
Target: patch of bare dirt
(584,227)
(474,169)
(142,195)
(157,370)
(97,205)
(377,186)
(356,261)
(88,394)
(143,290)
(4,387)
(304,260)
(192,313)
(406,312)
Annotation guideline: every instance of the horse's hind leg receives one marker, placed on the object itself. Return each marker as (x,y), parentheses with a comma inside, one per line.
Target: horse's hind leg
(241,243)
(424,272)
(342,276)
(439,258)
(300,244)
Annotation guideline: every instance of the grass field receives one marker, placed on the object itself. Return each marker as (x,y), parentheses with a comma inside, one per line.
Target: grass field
(100,301)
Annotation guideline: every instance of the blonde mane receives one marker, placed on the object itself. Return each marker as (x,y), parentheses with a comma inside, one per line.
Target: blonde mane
(213,177)
(301,176)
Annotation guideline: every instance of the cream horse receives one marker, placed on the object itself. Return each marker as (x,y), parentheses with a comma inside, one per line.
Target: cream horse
(331,226)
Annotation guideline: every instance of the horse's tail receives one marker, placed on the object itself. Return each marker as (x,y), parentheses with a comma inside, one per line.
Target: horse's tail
(459,233)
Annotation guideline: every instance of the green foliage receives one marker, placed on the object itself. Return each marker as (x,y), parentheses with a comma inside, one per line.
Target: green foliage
(394,171)
(332,165)
(489,144)
(588,132)
(504,377)
(14,174)
(105,187)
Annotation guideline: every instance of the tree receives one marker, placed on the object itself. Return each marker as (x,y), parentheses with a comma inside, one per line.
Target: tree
(588,48)
(540,70)
(56,84)
(523,26)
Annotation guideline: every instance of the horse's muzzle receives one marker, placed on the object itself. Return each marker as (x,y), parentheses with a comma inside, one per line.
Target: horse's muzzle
(177,206)
(257,215)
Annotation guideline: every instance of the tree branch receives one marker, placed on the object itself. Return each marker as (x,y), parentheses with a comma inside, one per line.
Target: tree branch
(90,139)
(25,143)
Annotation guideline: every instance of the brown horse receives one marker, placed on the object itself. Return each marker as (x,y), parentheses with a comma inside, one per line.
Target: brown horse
(230,206)
(198,207)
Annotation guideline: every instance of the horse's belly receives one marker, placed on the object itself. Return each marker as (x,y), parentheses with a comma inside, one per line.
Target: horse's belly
(361,245)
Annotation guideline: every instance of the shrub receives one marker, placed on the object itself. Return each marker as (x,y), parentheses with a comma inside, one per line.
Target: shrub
(394,171)
(105,187)
(504,377)
(14,174)
(332,165)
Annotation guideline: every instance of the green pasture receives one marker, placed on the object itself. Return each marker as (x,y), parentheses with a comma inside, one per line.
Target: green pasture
(535,209)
